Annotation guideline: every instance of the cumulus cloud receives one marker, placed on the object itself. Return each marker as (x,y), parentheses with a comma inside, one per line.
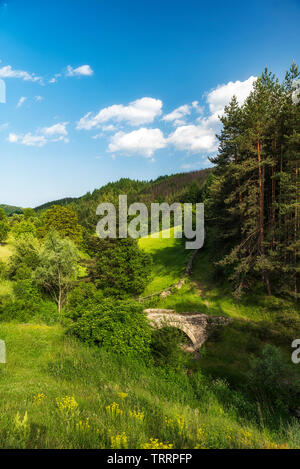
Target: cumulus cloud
(54,133)
(21,101)
(28,139)
(178,114)
(196,125)
(8,72)
(139,112)
(218,98)
(56,129)
(199,137)
(83,70)
(143,141)
(193,138)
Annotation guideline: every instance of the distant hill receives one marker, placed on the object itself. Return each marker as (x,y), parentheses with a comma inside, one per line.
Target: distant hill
(181,187)
(65,201)
(11,209)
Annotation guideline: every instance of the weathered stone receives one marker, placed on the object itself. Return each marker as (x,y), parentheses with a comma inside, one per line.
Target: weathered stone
(197,326)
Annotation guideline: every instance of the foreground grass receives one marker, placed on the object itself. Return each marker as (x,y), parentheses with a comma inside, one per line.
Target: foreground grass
(169,260)
(56,393)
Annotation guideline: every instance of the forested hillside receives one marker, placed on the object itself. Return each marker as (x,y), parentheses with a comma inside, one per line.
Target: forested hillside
(184,187)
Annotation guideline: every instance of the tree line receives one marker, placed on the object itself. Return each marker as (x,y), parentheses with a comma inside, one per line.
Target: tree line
(253,199)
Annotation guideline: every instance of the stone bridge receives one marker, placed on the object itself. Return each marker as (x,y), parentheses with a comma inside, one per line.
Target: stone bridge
(196,326)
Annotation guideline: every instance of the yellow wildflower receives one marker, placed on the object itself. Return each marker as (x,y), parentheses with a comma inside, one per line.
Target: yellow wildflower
(39,397)
(137,415)
(154,443)
(67,404)
(119,441)
(114,409)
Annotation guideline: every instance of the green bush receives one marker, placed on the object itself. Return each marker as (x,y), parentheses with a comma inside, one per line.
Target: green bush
(272,381)
(82,298)
(165,347)
(119,326)
(3,270)
(119,267)
(28,305)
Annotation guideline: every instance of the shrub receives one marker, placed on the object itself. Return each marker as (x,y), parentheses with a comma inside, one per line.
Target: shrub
(25,258)
(119,326)
(3,270)
(272,382)
(28,305)
(165,347)
(120,268)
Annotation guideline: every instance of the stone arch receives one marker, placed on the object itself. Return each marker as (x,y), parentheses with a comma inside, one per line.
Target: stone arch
(182,327)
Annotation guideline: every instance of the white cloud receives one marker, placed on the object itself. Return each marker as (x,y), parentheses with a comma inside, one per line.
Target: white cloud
(109,128)
(193,138)
(21,101)
(55,78)
(54,133)
(218,98)
(56,129)
(83,70)
(199,137)
(178,114)
(8,72)
(139,112)
(38,98)
(28,139)
(143,142)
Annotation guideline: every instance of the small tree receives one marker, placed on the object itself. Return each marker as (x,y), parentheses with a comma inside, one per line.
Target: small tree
(64,221)
(4,230)
(25,258)
(57,268)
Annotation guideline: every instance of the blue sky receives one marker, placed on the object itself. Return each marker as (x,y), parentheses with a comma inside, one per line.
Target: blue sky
(98,90)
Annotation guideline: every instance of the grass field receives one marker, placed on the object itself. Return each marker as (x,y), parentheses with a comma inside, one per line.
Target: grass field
(169,260)
(56,393)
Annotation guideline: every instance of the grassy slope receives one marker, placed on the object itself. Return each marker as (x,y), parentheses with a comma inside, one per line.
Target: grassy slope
(169,260)
(40,360)
(256,320)
(177,410)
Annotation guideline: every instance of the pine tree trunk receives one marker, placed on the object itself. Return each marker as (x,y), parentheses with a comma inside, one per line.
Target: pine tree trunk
(261,201)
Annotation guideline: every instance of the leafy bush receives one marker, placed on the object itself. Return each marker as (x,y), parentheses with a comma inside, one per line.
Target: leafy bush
(25,258)
(3,270)
(165,347)
(272,382)
(120,267)
(81,298)
(28,304)
(115,325)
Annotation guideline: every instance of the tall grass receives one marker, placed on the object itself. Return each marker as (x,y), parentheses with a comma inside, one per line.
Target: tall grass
(57,393)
